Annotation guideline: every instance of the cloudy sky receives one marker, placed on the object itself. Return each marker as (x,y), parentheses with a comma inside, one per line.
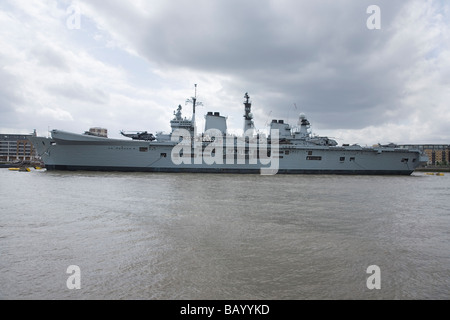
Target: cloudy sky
(73,65)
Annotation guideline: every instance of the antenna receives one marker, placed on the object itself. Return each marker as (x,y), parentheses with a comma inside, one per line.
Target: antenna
(248,107)
(194,102)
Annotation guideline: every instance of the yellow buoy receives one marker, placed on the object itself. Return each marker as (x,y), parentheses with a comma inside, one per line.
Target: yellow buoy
(429,173)
(439,174)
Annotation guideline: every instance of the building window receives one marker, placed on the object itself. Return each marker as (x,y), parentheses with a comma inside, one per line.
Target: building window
(143,149)
(342,159)
(314,158)
(352,158)
(309,153)
(163,155)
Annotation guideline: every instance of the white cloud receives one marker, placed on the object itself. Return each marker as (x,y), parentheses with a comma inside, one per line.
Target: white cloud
(131,63)
(56,114)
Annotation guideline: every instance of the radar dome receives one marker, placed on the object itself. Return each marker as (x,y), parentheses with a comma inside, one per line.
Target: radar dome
(302,116)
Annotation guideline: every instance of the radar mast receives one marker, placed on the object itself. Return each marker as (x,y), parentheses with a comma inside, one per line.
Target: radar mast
(194,102)
(248,116)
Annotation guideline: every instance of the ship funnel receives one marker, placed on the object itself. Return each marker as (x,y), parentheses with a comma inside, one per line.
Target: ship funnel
(216,121)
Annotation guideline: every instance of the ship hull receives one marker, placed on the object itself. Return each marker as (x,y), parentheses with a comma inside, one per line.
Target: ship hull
(226,170)
(73,152)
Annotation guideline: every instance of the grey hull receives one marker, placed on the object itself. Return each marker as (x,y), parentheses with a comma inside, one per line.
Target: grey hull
(224,170)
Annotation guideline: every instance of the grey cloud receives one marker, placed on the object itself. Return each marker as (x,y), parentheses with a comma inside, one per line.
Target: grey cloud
(80,92)
(319,54)
(49,57)
(10,97)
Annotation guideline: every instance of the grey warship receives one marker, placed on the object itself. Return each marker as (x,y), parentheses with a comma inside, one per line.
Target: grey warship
(286,149)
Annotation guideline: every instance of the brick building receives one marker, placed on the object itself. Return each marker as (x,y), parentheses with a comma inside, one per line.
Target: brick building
(438,154)
(16,147)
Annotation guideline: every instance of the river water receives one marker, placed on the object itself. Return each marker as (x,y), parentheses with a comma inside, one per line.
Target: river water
(218,236)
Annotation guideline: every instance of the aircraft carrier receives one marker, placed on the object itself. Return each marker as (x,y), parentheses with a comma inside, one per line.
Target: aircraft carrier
(286,149)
